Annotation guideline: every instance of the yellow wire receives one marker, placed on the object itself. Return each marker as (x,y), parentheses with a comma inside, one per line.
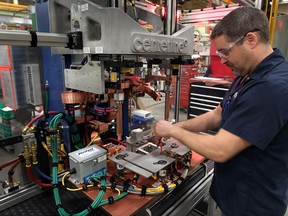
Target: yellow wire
(157,189)
(71,189)
(46,148)
(119,192)
(63,178)
(93,139)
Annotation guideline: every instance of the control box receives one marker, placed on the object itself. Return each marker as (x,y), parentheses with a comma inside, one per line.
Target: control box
(88,161)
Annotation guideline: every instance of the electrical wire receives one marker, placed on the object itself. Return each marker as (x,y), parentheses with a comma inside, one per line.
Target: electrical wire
(30,123)
(101,109)
(43,175)
(76,140)
(133,189)
(36,181)
(93,139)
(57,198)
(12,170)
(71,189)
(9,163)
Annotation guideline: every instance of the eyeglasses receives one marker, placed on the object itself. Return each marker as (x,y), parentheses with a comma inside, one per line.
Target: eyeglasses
(224,53)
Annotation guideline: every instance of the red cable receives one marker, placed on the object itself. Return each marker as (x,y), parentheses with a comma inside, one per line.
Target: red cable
(99,110)
(36,181)
(8,163)
(11,171)
(40,116)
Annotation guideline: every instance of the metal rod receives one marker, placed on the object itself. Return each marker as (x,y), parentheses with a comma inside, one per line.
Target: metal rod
(207,14)
(23,38)
(258,4)
(177,95)
(273,18)
(170,17)
(167,96)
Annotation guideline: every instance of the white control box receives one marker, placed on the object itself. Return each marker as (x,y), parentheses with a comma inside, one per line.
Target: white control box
(88,161)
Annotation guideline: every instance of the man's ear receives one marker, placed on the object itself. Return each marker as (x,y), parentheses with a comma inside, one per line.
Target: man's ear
(252,38)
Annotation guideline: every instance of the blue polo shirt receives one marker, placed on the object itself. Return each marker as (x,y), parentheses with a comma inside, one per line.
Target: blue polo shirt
(254,182)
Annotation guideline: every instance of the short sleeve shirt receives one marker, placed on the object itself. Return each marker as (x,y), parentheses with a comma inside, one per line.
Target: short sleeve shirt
(255,181)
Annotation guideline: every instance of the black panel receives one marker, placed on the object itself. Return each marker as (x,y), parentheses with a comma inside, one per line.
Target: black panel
(44,204)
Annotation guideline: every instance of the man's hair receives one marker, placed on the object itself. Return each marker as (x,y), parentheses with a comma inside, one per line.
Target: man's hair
(240,22)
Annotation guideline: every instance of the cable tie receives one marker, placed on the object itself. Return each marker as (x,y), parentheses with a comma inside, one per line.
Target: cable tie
(84,187)
(176,183)
(111,200)
(166,188)
(55,185)
(55,164)
(125,188)
(127,182)
(113,185)
(143,190)
(103,188)
(59,206)
(90,209)
(21,157)
(53,132)
(11,173)
(34,39)
(136,177)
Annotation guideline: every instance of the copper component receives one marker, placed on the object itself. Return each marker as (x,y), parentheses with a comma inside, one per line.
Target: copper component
(125,85)
(69,97)
(109,91)
(100,127)
(150,91)
(80,120)
(111,115)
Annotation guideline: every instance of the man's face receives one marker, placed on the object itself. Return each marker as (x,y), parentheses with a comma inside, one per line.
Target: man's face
(231,53)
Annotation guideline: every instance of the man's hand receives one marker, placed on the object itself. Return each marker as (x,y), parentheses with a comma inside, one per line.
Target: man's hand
(163,128)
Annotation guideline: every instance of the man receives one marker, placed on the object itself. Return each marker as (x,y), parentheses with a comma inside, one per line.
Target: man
(250,149)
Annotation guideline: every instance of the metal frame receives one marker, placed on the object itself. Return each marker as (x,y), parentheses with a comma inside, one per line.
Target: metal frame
(206,14)
(18,196)
(107,29)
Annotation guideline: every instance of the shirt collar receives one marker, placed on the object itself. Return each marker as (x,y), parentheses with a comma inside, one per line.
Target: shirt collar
(267,64)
